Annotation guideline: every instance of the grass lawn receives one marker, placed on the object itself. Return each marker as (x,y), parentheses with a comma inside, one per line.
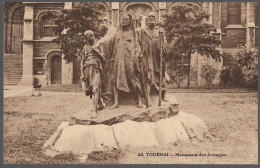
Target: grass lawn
(232,117)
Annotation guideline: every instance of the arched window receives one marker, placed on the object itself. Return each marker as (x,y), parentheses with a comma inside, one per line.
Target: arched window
(234,12)
(48,27)
(17,30)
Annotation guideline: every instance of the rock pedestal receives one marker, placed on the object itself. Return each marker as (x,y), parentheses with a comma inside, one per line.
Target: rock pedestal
(128,112)
(125,127)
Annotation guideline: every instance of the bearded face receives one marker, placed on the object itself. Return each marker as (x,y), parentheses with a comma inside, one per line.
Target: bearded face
(105,23)
(150,20)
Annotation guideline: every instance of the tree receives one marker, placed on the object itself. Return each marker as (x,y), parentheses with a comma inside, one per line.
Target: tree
(72,24)
(193,34)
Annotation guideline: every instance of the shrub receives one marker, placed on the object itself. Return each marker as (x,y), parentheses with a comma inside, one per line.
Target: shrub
(247,61)
(225,75)
(231,73)
(208,73)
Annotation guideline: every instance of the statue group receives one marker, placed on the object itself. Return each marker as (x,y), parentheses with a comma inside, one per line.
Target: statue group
(127,59)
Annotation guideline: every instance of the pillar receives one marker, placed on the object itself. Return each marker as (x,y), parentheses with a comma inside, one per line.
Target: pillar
(27,77)
(162,10)
(216,19)
(67,5)
(115,14)
(66,72)
(210,12)
(250,25)
(66,68)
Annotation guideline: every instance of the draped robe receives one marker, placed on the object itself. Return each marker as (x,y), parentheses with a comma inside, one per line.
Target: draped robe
(121,55)
(150,48)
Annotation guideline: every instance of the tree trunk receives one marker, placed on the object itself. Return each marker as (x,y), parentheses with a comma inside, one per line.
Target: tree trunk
(188,82)
(180,77)
(179,82)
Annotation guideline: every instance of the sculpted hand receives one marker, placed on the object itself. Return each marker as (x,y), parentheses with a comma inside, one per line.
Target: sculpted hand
(138,53)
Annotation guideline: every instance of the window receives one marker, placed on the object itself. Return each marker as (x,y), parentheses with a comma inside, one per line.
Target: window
(38,67)
(234,12)
(49,28)
(17,30)
(18,15)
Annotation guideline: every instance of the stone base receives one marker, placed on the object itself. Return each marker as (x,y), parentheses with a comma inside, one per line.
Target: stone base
(84,139)
(127,126)
(128,112)
(27,80)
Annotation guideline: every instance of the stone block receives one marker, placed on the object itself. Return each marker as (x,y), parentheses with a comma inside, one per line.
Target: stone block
(178,129)
(104,137)
(77,138)
(80,139)
(50,142)
(134,134)
(194,126)
(165,133)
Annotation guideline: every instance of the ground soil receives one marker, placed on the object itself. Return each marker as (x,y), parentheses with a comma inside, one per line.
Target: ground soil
(232,118)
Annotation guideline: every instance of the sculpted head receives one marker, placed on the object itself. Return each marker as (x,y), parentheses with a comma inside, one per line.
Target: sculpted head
(126,20)
(105,22)
(150,20)
(139,21)
(89,36)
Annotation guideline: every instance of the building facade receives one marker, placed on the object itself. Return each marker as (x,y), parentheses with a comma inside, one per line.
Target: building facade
(28,33)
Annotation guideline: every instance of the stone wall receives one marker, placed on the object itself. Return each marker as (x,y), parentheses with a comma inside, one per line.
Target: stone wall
(41,48)
(13,63)
(13,69)
(234,36)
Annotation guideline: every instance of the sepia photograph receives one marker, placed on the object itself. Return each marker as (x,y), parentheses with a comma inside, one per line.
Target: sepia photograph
(130,82)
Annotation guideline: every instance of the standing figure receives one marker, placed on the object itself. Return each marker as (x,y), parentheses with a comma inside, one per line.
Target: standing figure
(122,52)
(92,69)
(150,46)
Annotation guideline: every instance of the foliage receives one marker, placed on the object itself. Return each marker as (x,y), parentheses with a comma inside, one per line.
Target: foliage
(225,75)
(247,61)
(241,68)
(186,25)
(71,26)
(208,72)
(231,75)
(176,69)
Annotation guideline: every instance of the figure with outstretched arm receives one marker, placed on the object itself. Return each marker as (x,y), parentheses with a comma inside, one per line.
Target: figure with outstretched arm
(122,52)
